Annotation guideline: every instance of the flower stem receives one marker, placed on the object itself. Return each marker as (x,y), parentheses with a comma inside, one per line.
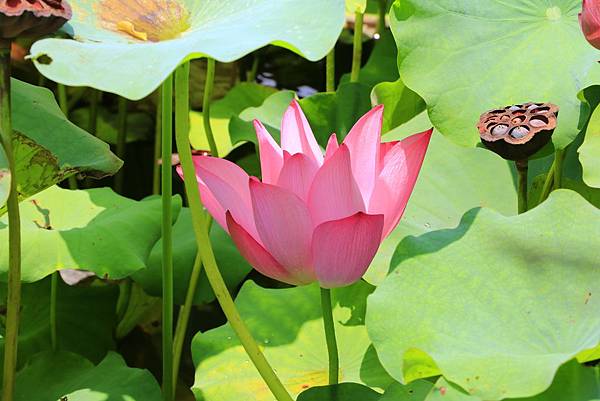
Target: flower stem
(357,48)
(330,71)
(63,102)
(184,316)
(559,157)
(157,143)
(548,182)
(182,129)
(167,246)
(382,11)
(53,296)
(13,304)
(251,73)
(121,142)
(93,117)
(522,168)
(199,221)
(334,364)
(208,91)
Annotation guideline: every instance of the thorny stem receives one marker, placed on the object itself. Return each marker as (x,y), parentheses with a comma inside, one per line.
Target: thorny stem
(381,21)
(330,71)
(329,326)
(522,167)
(121,142)
(357,48)
(208,91)
(13,303)
(167,245)
(251,74)
(199,221)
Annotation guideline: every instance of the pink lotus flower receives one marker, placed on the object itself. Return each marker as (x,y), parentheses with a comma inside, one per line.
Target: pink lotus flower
(589,19)
(314,217)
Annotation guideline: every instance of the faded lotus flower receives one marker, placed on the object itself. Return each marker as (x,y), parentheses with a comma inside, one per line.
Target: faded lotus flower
(314,217)
(589,19)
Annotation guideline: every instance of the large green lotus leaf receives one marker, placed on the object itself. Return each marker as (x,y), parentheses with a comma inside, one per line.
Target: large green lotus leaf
(465,57)
(288,325)
(233,266)
(85,319)
(269,113)
(590,149)
(239,98)
(116,62)
(340,392)
(64,376)
(140,126)
(401,104)
(4,178)
(48,147)
(95,230)
(453,179)
(470,296)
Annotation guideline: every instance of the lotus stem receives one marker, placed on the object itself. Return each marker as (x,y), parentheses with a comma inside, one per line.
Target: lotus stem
(559,157)
(182,129)
(382,11)
(208,92)
(330,71)
(53,297)
(184,316)
(548,182)
(199,221)
(125,288)
(167,245)
(157,143)
(121,142)
(93,117)
(13,303)
(332,350)
(357,48)
(251,74)
(522,168)
(63,103)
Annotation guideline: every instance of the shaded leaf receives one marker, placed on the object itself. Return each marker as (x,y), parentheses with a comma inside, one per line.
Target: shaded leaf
(505,275)
(340,392)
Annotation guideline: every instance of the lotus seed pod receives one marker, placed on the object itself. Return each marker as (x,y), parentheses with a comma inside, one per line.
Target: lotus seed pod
(32,17)
(518,131)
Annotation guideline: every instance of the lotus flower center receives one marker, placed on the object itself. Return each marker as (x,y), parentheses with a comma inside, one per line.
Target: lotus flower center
(145,20)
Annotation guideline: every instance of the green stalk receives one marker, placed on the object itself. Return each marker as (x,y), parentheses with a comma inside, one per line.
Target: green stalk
(93,117)
(251,74)
(121,142)
(559,157)
(184,316)
(330,71)
(13,303)
(124,298)
(208,91)
(215,279)
(382,11)
(182,129)
(332,350)
(53,296)
(167,245)
(63,102)
(522,167)
(548,182)
(157,142)
(357,48)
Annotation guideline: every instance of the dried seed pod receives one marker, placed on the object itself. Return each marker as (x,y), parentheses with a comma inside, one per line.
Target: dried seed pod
(516,132)
(32,17)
